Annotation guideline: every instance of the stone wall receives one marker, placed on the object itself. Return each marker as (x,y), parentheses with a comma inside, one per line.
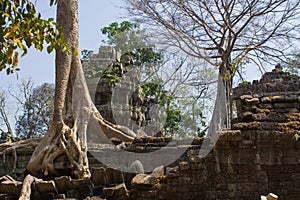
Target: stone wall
(243,165)
(256,157)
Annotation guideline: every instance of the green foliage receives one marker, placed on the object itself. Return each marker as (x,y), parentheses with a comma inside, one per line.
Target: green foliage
(156,92)
(85,54)
(21,28)
(148,56)
(37,111)
(293,65)
(128,37)
(115,29)
(173,119)
(132,40)
(244,82)
(112,76)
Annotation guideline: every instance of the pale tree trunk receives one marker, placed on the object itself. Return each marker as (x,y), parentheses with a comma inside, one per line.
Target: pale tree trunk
(4,117)
(227,82)
(226,74)
(67,134)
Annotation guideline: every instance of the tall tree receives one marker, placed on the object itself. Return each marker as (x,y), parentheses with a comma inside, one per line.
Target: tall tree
(67,134)
(163,76)
(223,32)
(37,109)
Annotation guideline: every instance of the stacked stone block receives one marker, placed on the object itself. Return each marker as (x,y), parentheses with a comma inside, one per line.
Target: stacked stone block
(271,104)
(257,157)
(241,166)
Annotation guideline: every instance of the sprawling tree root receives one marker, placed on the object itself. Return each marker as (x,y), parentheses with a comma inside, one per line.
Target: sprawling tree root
(64,141)
(60,140)
(113,131)
(10,148)
(26,187)
(73,111)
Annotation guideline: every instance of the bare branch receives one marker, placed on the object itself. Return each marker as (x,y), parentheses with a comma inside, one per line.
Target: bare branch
(222,31)
(3,113)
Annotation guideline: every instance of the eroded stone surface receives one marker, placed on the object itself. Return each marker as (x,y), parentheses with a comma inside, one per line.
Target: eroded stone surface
(257,157)
(158,172)
(144,180)
(116,192)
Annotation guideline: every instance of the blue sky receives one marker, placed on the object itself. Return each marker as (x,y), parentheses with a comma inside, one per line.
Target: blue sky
(93,14)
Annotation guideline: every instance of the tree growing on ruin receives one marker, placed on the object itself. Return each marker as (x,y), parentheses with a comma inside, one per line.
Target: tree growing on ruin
(66,137)
(131,39)
(67,134)
(223,32)
(165,76)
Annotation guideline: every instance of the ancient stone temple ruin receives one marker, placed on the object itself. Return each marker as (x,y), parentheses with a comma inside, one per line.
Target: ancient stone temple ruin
(257,156)
(114,84)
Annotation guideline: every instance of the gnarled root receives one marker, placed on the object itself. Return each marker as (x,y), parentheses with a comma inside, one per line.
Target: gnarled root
(26,188)
(59,140)
(68,142)
(110,130)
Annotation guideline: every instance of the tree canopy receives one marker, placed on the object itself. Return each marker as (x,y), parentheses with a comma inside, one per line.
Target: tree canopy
(130,38)
(32,114)
(223,32)
(37,109)
(162,78)
(21,28)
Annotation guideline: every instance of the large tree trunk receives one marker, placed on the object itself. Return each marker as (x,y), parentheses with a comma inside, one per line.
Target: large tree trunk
(226,74)
(66,138)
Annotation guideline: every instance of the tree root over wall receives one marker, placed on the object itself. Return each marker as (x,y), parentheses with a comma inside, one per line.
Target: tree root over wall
(11,148)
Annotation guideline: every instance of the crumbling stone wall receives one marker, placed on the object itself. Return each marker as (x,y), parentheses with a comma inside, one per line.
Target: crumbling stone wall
(243,165)
(271,104)
(114,85)
(256,157)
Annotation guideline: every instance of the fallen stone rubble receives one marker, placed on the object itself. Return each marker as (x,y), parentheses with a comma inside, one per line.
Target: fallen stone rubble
(104,184)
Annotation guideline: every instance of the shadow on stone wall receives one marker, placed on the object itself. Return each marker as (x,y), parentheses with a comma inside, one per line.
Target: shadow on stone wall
(256,157)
